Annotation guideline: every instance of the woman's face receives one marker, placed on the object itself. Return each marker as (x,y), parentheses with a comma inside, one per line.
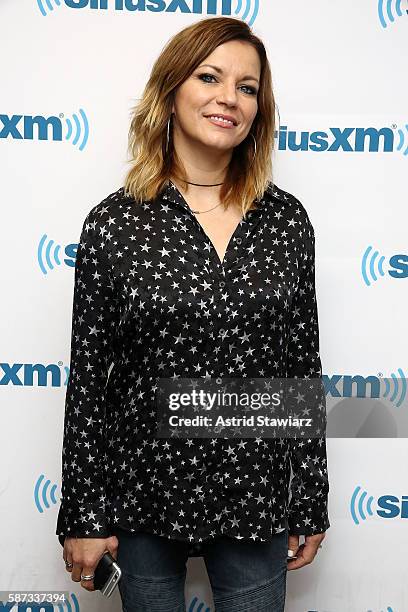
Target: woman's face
(225,84)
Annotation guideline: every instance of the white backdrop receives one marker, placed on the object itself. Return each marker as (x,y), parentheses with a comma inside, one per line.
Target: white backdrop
(335,65)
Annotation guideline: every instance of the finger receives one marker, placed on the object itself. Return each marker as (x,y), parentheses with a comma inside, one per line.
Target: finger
(304,557)
(67,556)
(293,545)
(76,572)
(310,549)
(112,546)
(68,562)
(295,564)
(88,570)
(298,562)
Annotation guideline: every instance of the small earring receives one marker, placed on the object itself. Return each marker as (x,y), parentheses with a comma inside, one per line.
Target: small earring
(254,155)
(168,133)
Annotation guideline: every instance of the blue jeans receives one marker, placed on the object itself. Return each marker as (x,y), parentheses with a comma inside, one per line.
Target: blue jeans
(244,576)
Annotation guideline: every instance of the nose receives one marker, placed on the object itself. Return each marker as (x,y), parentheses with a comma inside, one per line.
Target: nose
(227,94)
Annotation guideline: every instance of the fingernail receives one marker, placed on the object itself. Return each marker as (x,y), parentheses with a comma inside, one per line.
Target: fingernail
(290,553)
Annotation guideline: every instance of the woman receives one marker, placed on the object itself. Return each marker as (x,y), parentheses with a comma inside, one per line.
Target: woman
(198,267)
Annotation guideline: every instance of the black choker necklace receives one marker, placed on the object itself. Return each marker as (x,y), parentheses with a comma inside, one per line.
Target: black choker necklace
(199,184)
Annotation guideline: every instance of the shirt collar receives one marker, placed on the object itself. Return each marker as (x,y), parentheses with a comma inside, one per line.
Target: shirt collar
(171,193)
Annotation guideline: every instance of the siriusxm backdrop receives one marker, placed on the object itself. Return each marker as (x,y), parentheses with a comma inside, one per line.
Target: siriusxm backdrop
(70,71)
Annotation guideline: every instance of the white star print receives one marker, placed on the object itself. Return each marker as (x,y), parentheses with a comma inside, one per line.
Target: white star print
(152,299)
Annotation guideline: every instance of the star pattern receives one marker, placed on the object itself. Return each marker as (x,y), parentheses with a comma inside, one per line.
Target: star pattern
(152,299)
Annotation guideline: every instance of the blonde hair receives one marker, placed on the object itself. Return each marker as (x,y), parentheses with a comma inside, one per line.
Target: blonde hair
(247,175)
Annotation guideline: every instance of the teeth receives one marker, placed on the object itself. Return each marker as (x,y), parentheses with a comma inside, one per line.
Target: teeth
(221,119)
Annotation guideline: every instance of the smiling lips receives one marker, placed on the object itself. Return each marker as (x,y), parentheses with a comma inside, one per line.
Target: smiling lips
(222,121)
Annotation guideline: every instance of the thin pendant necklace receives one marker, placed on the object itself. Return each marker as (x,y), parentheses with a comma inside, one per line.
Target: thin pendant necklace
(200,212)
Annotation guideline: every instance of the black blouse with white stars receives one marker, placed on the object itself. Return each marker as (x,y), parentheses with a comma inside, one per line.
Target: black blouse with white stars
(152,299)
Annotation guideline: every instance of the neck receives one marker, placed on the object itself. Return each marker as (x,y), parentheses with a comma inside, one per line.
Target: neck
(203,165)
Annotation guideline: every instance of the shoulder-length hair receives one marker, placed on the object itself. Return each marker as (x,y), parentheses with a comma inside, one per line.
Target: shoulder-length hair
(152,154)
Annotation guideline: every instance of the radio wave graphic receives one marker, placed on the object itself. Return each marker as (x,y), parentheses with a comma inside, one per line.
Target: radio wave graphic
(41,493)
(46,6)
(370,267)
(199,608)
(387,9)
(48,254)
(67,607)
(76,130)
(399,385)
(359,504)
(249,10)
(400,146)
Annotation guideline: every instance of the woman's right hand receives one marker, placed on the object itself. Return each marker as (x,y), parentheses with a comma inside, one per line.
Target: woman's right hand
(84,554)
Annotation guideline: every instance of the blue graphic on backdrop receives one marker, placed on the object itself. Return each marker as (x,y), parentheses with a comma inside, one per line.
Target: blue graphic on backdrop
(340,385)
(33,374)
(349,139)
(66,607)
(388,506)
(201,607)
(43,495)
(39,127)
(388,10)
(48,254)
(247,10)
(372,265)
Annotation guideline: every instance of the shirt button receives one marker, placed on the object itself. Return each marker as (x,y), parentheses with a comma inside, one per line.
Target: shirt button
(239,240)
(222,283)
(215,476)
(222,331)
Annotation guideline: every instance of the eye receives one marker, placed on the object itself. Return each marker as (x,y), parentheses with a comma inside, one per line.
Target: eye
(249,90)
(252,91)
(204,75)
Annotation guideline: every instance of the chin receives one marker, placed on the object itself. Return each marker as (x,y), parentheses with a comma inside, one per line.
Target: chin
(219,145)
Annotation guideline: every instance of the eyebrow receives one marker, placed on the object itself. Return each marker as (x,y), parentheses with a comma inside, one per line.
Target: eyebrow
(248,77)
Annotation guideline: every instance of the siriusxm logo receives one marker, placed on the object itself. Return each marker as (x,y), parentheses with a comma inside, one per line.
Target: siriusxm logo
(60,605)
(349,140)
(372,266)
(33,374)
(247,10)
(388,10)
(48,254)
(37,127)
(394,389)
(387,506)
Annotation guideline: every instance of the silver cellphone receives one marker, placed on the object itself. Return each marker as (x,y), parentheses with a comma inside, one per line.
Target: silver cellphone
(107,575)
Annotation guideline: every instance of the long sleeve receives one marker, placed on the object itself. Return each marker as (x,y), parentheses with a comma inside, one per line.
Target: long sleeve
(83,510)
(309,488)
